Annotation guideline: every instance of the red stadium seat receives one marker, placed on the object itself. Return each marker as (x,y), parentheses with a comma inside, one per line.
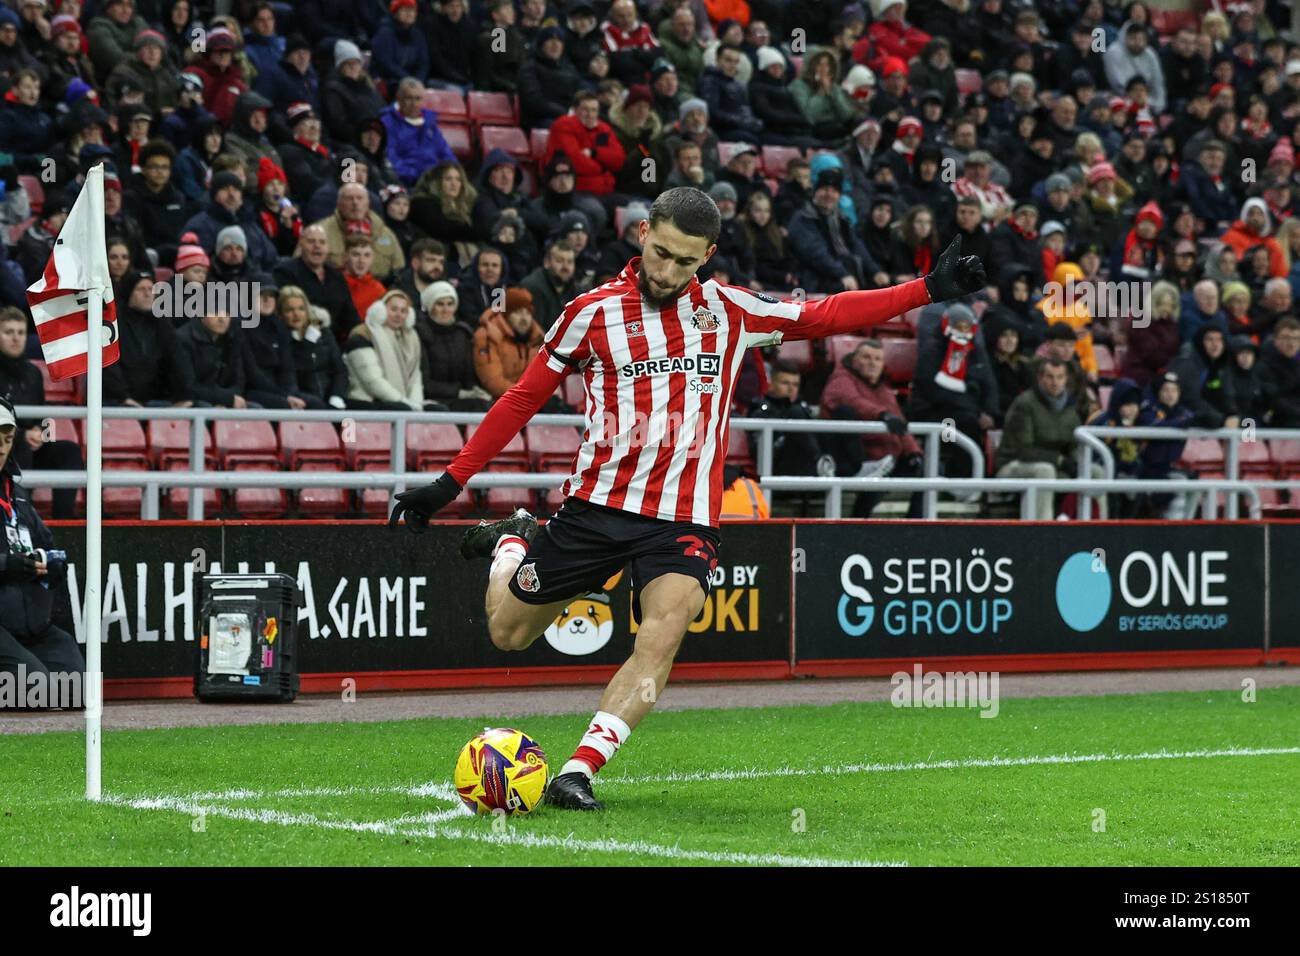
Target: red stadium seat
(1168,22)
(738,451)
(838,346)
(57,393)
(169,444)
(969,81)
(315,442)
(552,447)
(900,360)
(895,328)
(321,500)
(799,352)
(1286,457)
(727,150)
(259,502)
(448,104)
(796,62)
(515,453)
(432,446)
(537,142)
(497,109)
(509,138)
(123,438)
(776,159)
(913,318)
(178,499)
(241,443)
(1253,460)
(35,192)
(1203,455)
(575,395)
(371,444)
(459,139)
(123,502)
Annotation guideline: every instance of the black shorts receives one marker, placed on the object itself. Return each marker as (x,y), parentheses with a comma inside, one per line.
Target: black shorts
(584,545)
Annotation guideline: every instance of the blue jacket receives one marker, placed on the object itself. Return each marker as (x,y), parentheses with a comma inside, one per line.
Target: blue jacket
(413,149)
(27,132)
(1211,203)
(261,251)
(264,52)
(1159,456)
(282,84)
(1190,319)
(728,100)
(818,267)
(397,52)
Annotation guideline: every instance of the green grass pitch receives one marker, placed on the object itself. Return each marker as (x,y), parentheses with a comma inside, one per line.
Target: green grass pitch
(1161,779)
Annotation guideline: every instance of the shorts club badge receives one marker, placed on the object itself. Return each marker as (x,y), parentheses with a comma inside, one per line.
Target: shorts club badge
(527,578)
(705,321)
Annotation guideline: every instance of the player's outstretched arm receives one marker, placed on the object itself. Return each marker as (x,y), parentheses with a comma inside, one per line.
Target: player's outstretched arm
(502,422)
(952,277)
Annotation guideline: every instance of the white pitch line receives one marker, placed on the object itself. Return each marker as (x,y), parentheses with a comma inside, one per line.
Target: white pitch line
(403,826)
(963,764)
(444,790)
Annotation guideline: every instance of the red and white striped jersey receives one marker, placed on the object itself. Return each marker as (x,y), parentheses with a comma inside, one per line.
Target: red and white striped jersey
(659,382)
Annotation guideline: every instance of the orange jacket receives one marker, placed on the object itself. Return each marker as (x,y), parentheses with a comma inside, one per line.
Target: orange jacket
(1241,238)
(499,356)
(744,499)
(1056,308)
(720,10)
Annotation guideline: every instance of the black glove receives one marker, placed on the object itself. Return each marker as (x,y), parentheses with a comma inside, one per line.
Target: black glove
(17,567)
(895,424)
(420,504)
(954,276)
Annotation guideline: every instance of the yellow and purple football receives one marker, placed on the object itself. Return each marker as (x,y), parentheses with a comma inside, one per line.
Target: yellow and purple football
(501,769)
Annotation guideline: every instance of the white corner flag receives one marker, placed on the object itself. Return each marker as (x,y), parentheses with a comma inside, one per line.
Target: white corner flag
(75,294)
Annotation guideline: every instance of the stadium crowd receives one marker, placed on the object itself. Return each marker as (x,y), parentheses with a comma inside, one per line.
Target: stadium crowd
(406,260)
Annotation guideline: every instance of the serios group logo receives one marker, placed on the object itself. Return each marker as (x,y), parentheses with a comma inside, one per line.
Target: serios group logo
(1083,591)
(1173,589)
(925,596)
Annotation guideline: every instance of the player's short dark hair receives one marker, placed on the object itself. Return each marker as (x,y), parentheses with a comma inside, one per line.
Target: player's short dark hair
(785,367)
(690,210)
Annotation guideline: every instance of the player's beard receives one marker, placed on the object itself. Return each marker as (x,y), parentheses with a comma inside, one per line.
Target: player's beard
(653,300)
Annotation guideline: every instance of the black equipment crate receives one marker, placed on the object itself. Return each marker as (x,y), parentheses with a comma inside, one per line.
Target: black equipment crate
(247,651)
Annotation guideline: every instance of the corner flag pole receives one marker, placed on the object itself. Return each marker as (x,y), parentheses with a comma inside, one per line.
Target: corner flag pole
(94,518)
(94,503)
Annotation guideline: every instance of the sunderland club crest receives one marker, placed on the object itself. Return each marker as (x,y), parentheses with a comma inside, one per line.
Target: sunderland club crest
(634,329)
(705,321)
(527,578)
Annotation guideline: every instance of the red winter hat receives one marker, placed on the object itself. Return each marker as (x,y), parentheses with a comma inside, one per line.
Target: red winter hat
(892,65)
(1218,88)
(1151,213)
(398,4)
(267,171)
(909,123)
(190,253)
(638,93)
(1282,153)
(518,298)
(64,24)
(1102,170)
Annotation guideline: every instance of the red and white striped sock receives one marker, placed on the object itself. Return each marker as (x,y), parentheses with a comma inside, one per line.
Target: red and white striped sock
(604,736)
(508,546)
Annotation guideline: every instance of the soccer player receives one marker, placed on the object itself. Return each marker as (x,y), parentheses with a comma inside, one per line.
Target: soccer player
(658,352)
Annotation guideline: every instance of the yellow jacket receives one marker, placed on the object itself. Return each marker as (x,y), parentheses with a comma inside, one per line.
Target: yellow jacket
(1056,308)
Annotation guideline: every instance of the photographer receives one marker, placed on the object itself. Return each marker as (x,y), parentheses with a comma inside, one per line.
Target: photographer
(30,573)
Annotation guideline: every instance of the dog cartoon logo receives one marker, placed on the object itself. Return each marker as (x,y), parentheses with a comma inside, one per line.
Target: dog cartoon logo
(585,625)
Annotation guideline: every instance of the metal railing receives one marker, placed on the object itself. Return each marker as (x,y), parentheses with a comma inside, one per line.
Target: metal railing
(1029,488)
(152,482)
(1090,439)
